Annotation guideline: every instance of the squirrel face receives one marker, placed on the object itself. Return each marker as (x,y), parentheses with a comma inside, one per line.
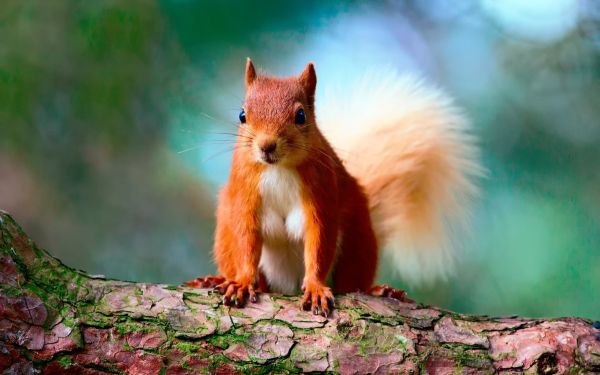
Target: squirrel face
(277,119)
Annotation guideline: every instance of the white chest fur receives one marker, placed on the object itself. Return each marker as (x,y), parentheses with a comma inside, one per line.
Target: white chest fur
(282,220)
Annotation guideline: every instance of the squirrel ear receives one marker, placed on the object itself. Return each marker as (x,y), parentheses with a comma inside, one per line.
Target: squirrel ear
(308,79)
(250,72)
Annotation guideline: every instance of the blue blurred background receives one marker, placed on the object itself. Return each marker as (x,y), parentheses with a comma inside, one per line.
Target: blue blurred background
(108,115)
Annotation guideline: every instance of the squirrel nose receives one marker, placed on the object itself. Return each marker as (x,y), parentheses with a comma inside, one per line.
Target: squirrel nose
(268,147)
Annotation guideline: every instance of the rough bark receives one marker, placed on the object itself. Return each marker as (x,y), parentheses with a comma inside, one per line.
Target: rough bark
(54,319)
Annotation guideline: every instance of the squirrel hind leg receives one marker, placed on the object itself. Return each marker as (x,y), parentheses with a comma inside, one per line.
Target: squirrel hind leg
(262,285)
(208,282)
(389,292)
(211,282)
(356,264)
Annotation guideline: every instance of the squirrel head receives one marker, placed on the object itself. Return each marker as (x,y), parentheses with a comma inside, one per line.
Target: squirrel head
(277,121)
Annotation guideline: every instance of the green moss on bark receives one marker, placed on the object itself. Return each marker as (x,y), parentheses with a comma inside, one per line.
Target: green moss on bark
(54,315)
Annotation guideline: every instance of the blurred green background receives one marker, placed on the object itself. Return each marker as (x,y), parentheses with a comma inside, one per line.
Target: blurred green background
(108,114)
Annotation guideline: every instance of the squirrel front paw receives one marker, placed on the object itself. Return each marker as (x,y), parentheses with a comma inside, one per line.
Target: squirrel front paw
(236,293)
(317,298)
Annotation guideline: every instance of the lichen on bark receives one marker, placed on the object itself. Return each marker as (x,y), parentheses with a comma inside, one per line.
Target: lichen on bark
(54,319)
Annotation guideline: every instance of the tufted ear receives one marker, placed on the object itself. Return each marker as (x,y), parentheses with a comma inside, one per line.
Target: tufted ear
(308,80)
(250,72)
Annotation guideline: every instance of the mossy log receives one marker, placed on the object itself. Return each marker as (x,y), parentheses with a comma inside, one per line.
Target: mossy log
(54,319)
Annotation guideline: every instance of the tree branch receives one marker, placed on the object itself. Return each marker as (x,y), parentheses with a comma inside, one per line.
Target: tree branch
(54,319)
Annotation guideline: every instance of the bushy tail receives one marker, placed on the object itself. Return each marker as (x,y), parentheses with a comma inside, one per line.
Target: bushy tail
(410,148)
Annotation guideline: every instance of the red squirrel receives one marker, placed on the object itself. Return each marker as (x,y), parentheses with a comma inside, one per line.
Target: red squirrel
(293,216)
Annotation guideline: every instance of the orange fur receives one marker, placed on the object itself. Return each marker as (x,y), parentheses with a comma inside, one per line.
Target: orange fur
(332,202)
(409,146)
(289,196)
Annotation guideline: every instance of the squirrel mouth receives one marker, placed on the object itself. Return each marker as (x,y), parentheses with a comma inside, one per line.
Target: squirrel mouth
(269,158)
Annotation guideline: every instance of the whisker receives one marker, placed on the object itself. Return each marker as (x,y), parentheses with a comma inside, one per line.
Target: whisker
(243,130)
(220,141)
(224,133)
(224,151)
(236,135)
(325,165)
(214,118)
(324,154)
(319,150)
(189,149)
(328,167)
(214,141)
(246,129)
(228,123)
(233,134)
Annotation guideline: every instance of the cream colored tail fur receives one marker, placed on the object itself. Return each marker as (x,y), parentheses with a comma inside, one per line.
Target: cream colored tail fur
(410,148)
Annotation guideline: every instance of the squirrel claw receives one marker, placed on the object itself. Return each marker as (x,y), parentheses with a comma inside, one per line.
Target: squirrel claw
(236,294)
(253,298)
(319,299)
(306,305)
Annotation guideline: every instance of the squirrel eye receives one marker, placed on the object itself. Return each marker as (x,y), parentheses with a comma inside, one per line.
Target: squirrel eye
(300,118)
(243,116)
